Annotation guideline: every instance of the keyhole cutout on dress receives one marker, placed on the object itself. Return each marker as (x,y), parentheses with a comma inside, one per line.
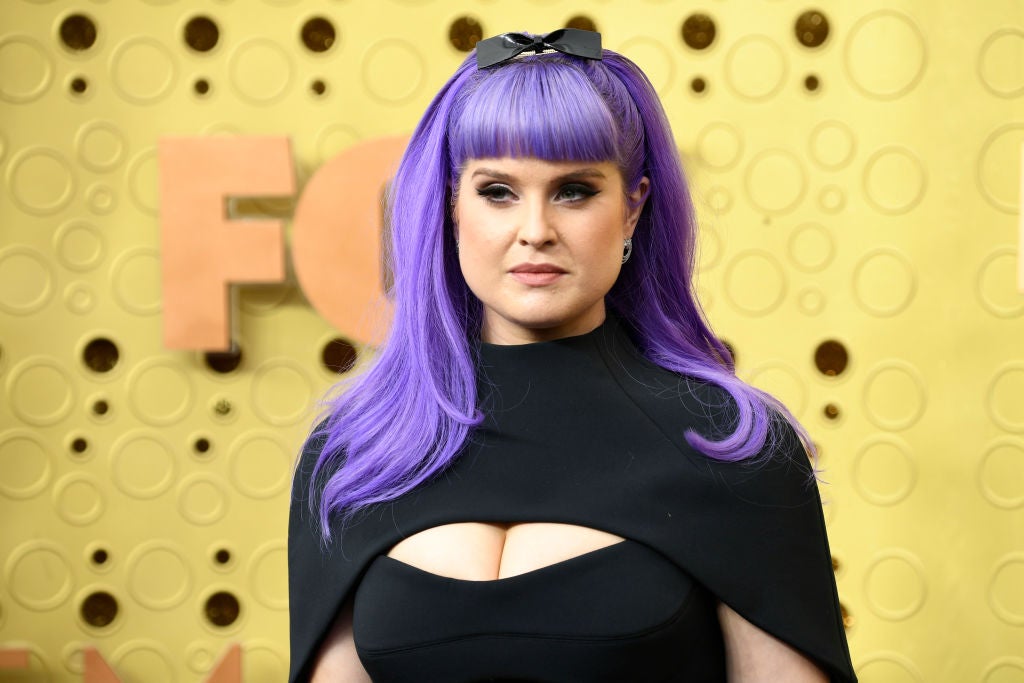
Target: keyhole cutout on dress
(485,551)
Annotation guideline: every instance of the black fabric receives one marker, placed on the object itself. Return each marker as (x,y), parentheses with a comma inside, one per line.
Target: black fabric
(585,431)
(620,613)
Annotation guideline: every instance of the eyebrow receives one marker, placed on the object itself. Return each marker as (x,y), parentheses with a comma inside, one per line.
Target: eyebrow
(589,172)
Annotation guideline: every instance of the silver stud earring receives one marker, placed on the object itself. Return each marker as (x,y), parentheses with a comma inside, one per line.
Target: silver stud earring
(627,246)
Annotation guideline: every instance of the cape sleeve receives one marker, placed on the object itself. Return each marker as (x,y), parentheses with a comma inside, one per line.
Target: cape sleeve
(320,576)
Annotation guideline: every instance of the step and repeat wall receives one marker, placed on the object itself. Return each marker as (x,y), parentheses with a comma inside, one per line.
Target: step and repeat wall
(857,171)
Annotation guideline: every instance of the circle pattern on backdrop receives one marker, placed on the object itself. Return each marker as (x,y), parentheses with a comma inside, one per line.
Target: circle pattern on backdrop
(884,282)
(783,382)
(999,62)
(996,286)
(143,660)
(883,471)
(775,181)
(755,283)
(895,586)
(894,395)
(100,146)
(1001,473)
(41,391)
(811,247)
(259,464)
(26,464)
(160,392)
(261,71)
(158,575)
(26,67)
(393,71)
(885,55)
(281,392)
(38,575)
(135,280)
(142,70)
(832,145)
(755,68)
(203,498)
(78,499)
(142,465)
(143,181)
(894,180)
(26,280)
(720,145)
(268,575)
(79,246)
(40,181)
(891,667)
(1001,151)
(1004,593)
(1004,397)
(655,60)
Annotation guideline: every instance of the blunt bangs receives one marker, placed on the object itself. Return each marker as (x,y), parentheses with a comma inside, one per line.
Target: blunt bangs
(543,107)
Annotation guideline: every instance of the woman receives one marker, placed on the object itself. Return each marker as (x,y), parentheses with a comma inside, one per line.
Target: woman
(550,471)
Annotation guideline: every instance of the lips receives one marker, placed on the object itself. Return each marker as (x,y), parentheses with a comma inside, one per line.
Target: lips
(536,274)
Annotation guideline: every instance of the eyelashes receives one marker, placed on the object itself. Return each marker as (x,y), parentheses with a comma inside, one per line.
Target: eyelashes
(568,193)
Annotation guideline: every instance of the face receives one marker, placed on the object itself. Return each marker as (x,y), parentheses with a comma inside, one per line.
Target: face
(541,243)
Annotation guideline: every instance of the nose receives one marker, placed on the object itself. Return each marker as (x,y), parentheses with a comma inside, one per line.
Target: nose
(535,224)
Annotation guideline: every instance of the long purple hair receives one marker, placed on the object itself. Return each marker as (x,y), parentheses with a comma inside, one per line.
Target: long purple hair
(406,416)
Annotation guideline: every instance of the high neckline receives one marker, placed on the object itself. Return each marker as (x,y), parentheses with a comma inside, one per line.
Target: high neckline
(497,353)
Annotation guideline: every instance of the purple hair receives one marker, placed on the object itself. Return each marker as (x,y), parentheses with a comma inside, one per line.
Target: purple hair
(406,416)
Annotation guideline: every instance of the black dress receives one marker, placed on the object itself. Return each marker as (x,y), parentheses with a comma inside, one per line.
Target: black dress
(582,431)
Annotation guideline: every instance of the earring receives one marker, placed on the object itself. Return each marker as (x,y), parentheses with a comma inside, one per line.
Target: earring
(627,249)
(456,246)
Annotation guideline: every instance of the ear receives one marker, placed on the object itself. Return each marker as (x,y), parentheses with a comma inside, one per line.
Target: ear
(635,204)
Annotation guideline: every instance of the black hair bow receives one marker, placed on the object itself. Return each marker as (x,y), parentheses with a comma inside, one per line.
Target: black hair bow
(570,41)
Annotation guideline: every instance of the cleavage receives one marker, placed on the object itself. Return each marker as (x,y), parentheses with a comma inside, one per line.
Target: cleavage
(485,551)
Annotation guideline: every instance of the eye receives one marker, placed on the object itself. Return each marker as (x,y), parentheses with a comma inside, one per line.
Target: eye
(575,192)
(496,193)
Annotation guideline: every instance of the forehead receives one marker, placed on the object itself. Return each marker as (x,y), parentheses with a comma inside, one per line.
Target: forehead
(533,169)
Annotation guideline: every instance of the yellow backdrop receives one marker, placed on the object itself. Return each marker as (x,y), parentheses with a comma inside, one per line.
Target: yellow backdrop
(857,170)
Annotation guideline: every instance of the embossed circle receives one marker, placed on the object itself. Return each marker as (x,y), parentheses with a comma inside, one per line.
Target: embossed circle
(142,70)
(393,71)
(720,145)
(281,392)
(266,657)
(143,181)
(159,576)
(895,586)
(160,392)
(883,471)
(80,298)
(999,152)
(142,465)
(100,146)
(25,462)
(1001,473)
(811,247)
(894,395)
(261,71)
(755,68)
(78,499)
(811,300)
(259,464)
(262,299)
(100,198)
(40,181)
(38,575)
(201,656)
(79,246)
(1005,399)
(832,144)
(783,382)
(1004,670)
(26,280)
(755,282)
(884,282)
(333,139)
(832,199)
(894,180)
(41,391)
(775,181)
(202,498)
(890,667)
(135,280)
(885,55)
(996,286)
(1006,591)
(268,575)
(26,67)
(999,62)
(654,58)
(144,660)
